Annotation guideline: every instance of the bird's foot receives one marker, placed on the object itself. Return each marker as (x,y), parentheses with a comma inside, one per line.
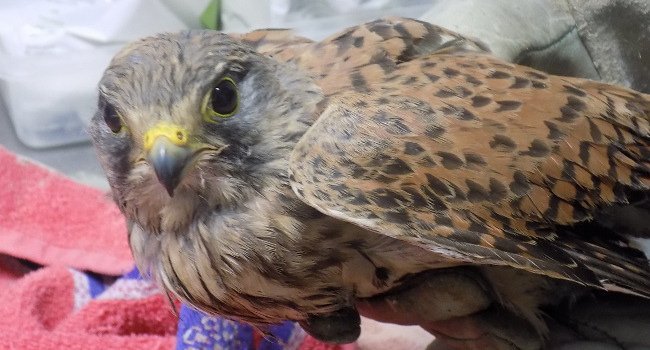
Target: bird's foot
(340,327)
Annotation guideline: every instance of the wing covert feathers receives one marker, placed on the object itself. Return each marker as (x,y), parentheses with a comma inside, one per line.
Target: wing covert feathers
(446,147)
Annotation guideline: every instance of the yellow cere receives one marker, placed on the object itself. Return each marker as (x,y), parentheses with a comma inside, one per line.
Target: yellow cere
(174,133)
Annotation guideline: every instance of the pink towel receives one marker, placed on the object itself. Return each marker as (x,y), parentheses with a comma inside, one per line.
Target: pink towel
(49,219)
(51,308)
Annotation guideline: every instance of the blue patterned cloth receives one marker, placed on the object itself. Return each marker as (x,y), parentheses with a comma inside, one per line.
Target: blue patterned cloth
(199,331)
(196,330)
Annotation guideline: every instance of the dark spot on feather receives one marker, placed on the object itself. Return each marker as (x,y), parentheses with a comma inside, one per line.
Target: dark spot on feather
(519,185)
(384,30)
(463,91)
(392,125)
(410,80)
(554,132)
(508,105)
(574,90)
(464,114)
(576,103)
(412,148)
(385,179)
(477,227)
(568,171)
(473,80)
(552,210)
(476,193)
(537,148)
(568,114)
(335,174)
(383,101)
(450,72)
(438,186)
(386,198)
(445,92)
(480,101)
(620,193)
(388,66)
(459,195)
(372,216)
(434,131)
(498,75)
(634,107)
(406,55)
(498,190)
(505,221)
(537,75)
(358,82)
(428,64)
(474,159)
(520,83)
(360,104)
(450,160)
(502,143)
(466,237)
(416,199)
(397,167)
(341,189)
(539,85)
(427,162)
(403,32)
(459,112)
(611,155)
(432,77)
(331,232)
(359,199)
(619,134)
(355,170)
(398,217)
(596,135)
(322,195)
(584,152)
(579,214)
(506,245)
(443,220)
(434,202)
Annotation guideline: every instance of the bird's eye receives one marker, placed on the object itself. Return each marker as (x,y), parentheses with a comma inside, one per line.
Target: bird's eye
(221,102)
(112,118)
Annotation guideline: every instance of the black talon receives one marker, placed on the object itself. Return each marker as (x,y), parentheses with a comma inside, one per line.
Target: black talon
(339,327)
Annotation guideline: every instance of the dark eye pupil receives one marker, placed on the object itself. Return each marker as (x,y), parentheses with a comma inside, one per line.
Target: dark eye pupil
(111,118)
(224,97)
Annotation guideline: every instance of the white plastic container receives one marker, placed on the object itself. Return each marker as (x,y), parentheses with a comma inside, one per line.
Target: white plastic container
(53,53)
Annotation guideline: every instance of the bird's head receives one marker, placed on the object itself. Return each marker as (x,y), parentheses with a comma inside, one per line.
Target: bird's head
(195,121)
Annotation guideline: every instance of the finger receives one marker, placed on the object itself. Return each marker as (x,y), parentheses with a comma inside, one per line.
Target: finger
(387,310)
(438,295)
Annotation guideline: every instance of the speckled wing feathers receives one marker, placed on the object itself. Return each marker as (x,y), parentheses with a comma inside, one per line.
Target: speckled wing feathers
(342,60)
(472,157)
(274,42)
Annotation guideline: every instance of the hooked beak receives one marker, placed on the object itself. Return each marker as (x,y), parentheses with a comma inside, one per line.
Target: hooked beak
(168,152)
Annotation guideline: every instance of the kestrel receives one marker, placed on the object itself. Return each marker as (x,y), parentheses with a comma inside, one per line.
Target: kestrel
(266,177)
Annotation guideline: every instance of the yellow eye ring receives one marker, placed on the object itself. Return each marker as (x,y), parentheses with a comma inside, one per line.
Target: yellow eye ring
(222,101)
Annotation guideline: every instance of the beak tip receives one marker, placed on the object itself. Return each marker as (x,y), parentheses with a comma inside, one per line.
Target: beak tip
(168,162)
